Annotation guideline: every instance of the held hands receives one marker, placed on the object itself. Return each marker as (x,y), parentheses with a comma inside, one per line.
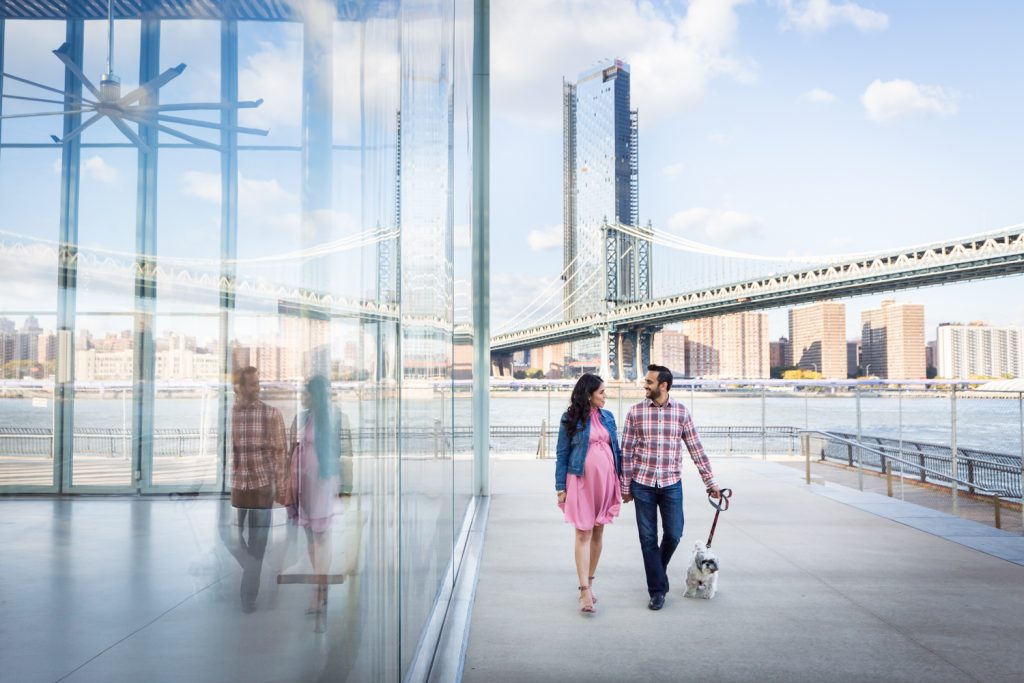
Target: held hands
(627,497)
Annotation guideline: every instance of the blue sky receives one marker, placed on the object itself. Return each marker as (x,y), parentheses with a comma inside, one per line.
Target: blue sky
(189,180)
(775,127)
(767,126)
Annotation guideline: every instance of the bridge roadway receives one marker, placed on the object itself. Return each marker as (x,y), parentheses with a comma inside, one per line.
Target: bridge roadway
(973,258)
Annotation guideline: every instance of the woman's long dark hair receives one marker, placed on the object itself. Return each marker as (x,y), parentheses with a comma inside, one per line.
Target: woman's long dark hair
(325,435)
(579,404)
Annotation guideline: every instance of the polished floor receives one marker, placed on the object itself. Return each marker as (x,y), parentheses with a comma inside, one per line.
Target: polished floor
(127,589)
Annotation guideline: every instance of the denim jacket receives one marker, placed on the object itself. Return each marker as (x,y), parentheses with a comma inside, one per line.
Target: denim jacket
(572,453)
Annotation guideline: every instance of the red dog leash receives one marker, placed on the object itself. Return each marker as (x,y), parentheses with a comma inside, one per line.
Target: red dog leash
(722,504)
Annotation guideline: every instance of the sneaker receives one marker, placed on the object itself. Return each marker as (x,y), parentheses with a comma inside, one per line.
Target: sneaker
(657,602)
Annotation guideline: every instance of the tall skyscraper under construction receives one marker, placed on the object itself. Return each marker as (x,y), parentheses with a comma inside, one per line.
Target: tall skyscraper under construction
(601,183)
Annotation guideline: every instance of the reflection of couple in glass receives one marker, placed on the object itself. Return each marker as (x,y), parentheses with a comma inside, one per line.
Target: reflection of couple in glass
(313,477)
(302,473)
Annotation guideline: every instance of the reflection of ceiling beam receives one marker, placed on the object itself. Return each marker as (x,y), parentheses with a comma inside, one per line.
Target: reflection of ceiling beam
(178,284)
(243,10)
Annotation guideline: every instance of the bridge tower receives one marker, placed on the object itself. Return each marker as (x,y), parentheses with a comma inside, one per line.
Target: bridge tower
(627,262)
(631,350)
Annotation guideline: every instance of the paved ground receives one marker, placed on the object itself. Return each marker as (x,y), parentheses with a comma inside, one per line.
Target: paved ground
(812,589)
(977,509)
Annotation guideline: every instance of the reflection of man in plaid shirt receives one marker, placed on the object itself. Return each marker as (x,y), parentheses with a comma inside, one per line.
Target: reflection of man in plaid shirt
(652,465)
(257,454)
(257,436)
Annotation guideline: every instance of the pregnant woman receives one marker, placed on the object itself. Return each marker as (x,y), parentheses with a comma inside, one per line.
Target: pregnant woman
(586,476)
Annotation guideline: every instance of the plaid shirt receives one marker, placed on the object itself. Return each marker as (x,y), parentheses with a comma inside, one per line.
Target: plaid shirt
(258,447)
(651,445)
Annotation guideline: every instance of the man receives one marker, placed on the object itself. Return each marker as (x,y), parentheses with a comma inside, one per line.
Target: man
(257,454)
(651,476)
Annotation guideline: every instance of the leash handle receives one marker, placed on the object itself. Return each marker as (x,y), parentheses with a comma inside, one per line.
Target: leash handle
(722,504)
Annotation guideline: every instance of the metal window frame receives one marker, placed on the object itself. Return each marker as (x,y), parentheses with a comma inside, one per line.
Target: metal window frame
(67,277)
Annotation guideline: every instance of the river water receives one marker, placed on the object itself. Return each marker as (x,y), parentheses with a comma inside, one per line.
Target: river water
(983,423)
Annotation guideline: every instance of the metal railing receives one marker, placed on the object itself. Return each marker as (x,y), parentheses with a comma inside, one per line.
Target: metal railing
(110,442)
(977,471)
(882,459)
(728,440)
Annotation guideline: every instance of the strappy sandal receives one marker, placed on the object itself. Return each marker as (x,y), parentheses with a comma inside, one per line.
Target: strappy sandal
(593,597)
(583,608)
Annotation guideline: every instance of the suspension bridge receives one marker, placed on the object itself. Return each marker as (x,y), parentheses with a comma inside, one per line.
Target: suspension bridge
(626,328)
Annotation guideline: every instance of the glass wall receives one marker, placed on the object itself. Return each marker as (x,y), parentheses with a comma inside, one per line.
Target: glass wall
(244,298)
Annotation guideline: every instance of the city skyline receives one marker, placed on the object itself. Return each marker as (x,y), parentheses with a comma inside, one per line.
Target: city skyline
(789,120)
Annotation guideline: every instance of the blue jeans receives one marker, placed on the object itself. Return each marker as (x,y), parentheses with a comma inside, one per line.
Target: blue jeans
(648,500)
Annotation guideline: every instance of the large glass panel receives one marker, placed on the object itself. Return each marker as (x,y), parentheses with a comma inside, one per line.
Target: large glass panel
(196,44)
(104,414)
(188,357)
(106,231)
(186,413)
(375,491)
(125,66)
(270,67)
(269,214)
(464,281)
(27,55)
(427,307)
(28,345)
(349,293)
(105,324)
(28,257)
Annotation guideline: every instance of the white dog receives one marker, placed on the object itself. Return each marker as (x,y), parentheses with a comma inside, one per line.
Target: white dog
(702,576)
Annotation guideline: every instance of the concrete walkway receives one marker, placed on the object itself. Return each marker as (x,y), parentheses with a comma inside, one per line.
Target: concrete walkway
(975,509)
(812,589)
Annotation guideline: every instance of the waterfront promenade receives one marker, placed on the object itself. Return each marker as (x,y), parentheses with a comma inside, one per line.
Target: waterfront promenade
(819,583)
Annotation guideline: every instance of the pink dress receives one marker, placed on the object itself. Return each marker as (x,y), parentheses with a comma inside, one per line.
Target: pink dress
(594,498)
(314,497)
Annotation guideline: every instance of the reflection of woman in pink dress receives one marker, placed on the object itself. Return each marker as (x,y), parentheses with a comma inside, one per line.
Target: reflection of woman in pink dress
(315,477)
(587,476)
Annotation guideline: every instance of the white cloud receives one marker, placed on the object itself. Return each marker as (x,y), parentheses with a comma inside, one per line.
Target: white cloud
(99,170)
(821,15)
(672,58)
(264,204)
(818,96)
(201,185)
(93,168)
(672,170)
(275,74)
(252,192)
(545,240)
(716,225)
(897,99)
